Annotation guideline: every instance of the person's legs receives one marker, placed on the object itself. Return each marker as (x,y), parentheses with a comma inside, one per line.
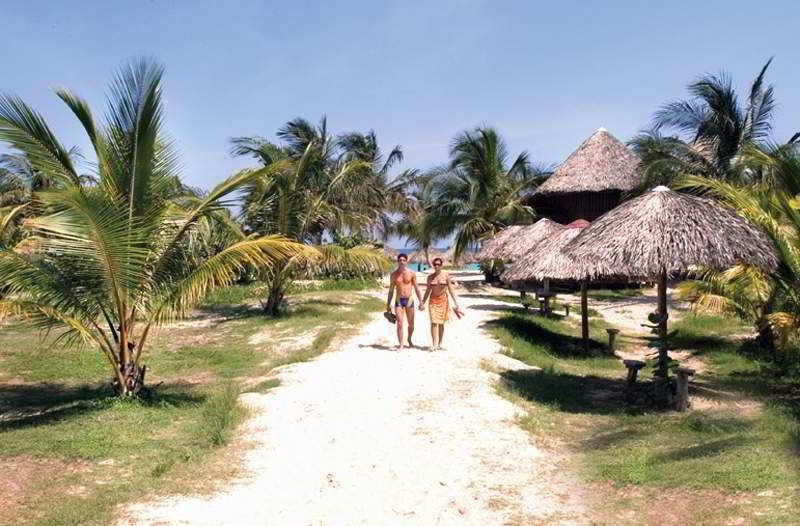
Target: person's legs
(435,335)
(410,317)
(400,312)
(440,338)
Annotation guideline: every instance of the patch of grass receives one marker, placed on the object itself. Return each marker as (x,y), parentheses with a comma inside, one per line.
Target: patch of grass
(551,343)
(106,451)
(579,401)
(236,294)
(219,416)
(351,284)
(613,294)
(266,385)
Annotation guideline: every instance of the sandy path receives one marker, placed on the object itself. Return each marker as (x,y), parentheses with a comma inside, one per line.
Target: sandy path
(367,436)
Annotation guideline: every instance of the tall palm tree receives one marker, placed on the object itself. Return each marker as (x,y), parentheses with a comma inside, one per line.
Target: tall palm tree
(480,192)
(112,257)
(712,128)
(305,190)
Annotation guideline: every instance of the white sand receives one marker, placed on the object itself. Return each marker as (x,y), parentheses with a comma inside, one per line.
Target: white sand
(368,436)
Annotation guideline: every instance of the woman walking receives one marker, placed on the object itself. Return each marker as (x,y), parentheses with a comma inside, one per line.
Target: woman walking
(439,286)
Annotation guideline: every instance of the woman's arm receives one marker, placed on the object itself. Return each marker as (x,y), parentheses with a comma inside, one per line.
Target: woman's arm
(427,294)
(451,291)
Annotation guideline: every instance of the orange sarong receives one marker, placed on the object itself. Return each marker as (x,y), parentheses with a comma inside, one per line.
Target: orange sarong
(439,308)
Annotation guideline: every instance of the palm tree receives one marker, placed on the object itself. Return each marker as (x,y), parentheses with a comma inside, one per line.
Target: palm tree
(479,192)
(380,197)
(771,300)
(416,223)
(308,188)
(111,257)
(713,127)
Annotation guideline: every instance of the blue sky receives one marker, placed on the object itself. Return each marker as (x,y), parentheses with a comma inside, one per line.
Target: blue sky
(546,74)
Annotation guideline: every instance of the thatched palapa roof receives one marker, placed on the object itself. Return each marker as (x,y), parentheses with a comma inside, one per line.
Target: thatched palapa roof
(602,162)
(546,260)
(418,256)
(489,246)
(526,239)
(663,230)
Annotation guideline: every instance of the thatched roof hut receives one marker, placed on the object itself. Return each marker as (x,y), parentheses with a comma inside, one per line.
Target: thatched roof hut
(488,247)
(590,181)
(419,256)
(545,261)
(665,231)
(526,239)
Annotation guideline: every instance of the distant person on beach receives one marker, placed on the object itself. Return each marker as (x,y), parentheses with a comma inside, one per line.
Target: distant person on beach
(403,281)
(439,286)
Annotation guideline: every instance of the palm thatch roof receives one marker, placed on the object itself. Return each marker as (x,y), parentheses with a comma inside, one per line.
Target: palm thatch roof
(663,230)
(489,246)
(546,260)
(467,257)
(602,162)
(418,256)
(526,239)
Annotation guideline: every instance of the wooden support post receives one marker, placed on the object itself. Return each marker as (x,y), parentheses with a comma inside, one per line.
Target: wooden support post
(682,388)
(541,306)
(662,304)
(584,316)
(566,309)
(663,348)
(612,336)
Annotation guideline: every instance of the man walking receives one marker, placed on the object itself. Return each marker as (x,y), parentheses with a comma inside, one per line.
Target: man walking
(403,281)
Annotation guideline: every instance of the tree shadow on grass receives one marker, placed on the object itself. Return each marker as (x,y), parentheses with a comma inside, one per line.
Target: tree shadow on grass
(31,405)
(556,344)
(499,307)
(568,392)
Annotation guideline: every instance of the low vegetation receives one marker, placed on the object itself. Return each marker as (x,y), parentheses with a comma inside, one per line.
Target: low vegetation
(75,451)
(738,444)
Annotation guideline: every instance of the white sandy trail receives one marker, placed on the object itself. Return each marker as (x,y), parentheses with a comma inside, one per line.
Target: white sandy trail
(367,436)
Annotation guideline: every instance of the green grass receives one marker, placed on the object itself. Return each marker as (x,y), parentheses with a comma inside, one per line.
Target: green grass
(97,451)
(550,343)
(219,416)
(579,401)
(613,294)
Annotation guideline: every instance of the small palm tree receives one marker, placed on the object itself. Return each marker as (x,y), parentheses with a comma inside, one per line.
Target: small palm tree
(306,188)
(111,257)
(479,192)
(770,300)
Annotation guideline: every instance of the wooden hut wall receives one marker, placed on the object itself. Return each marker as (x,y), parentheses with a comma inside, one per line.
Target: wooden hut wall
(565,208)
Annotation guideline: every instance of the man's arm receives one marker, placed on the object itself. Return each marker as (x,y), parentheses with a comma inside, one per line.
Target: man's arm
(416,288)
(389,297)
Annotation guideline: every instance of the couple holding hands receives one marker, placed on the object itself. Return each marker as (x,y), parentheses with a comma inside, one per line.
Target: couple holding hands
(403,282)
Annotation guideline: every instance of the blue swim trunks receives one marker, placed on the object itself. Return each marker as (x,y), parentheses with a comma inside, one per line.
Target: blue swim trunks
(404,302)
